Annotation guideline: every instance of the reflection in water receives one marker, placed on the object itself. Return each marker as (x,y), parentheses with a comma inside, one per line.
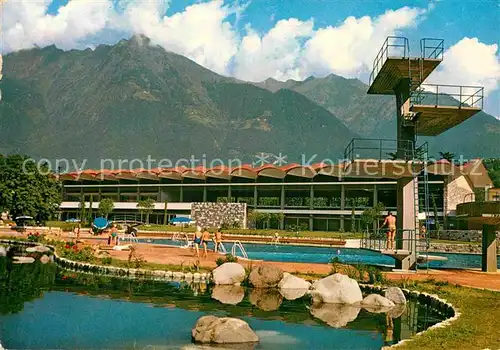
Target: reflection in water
(335,315)
(90,311)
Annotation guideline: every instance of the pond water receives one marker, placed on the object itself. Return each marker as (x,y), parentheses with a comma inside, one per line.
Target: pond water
(43,307)
(293,253)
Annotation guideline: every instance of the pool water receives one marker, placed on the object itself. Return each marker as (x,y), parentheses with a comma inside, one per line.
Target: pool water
(293,253)
(42,307)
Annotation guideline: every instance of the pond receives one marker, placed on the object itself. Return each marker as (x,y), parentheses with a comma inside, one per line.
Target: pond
(43,307)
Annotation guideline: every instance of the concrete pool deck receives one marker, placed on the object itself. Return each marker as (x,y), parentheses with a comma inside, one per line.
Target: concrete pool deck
(161,254)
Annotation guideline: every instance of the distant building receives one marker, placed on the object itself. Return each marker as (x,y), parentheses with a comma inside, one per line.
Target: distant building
(321,197)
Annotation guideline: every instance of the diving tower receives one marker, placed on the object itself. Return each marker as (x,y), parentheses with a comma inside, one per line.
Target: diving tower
(421,110)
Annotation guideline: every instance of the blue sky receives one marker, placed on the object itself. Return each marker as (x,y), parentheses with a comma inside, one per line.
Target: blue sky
(257,39)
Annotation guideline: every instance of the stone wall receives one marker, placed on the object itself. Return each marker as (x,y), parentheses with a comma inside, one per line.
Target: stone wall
(216,214)
(461,235)
(456,190)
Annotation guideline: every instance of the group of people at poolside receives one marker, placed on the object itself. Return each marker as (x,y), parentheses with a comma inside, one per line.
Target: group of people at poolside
(202,237)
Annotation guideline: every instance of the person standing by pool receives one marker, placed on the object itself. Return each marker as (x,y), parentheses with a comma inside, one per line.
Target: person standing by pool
(197,240)
(390,221)
(205,240)
(114,234)
(218,240)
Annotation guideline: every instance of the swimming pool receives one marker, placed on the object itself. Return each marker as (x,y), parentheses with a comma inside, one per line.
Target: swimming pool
(307,254)
(42,307)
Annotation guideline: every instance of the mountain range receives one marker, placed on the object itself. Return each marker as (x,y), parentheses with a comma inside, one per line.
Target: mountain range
(133,100)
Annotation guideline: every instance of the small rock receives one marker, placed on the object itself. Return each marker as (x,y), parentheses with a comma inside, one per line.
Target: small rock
(3,251)
(376,303)
(395,295)
(265,276)
(168,274)
(178,275)
(292,287)
(44,259)
(38,249)
(228,294)
(188,276)
(229,273)
(224,330)
(23,260)
(196,276)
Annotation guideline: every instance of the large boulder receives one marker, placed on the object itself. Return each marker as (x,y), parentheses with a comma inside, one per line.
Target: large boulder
(335,315)
(224,330)
(228,294)
(292,287)
(265,298)
(38,249)
(229,273)
(265,276)
(377,304)
(336,289)
(395,295)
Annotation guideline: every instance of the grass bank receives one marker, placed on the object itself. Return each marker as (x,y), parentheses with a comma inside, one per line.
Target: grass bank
(477,327)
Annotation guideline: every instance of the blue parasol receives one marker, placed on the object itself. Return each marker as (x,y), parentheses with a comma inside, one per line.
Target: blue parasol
(180,220)
(101,223)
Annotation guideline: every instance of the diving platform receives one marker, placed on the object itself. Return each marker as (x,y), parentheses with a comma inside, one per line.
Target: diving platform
(487,214)
(385,79)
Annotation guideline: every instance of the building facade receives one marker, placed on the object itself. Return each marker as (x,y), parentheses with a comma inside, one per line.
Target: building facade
(321,197)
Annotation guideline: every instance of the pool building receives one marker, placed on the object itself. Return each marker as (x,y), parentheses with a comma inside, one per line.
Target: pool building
(321,197)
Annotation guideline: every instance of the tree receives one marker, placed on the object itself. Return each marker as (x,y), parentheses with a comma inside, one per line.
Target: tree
(371,216)
(90,214)
(106,206)
(82,208)
(448,156)
(165,216)
(493,166)
(28,189)
(146,206)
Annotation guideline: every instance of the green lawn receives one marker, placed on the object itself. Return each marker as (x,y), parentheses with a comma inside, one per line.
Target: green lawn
(478,326)
(267,232)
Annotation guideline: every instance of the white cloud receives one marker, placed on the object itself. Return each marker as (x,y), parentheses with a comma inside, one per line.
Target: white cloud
(26,23)
(469,62)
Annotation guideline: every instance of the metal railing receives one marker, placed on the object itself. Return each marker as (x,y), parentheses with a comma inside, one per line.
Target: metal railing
(432,48)
(237,244)
(377,240)
(393,46)
(448,95)
(380,149)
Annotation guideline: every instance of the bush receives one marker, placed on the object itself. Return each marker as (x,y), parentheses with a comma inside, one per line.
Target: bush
(35,237)
(72,252)
(106,260)
(227,258)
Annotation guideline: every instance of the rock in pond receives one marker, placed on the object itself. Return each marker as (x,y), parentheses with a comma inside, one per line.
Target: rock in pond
(395,295)
(266,299)
(292,287)
(229,273)
(224,330)
(265,276)
(228,294)
(335,315)
(38,249)
(23,260)
(377,304)
(44,259)
(3,251)
(336,289)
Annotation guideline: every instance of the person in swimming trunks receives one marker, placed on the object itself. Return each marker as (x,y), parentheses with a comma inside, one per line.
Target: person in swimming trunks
(218,240)
(390,221)
(114,235)
(205,238)
(197,240)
